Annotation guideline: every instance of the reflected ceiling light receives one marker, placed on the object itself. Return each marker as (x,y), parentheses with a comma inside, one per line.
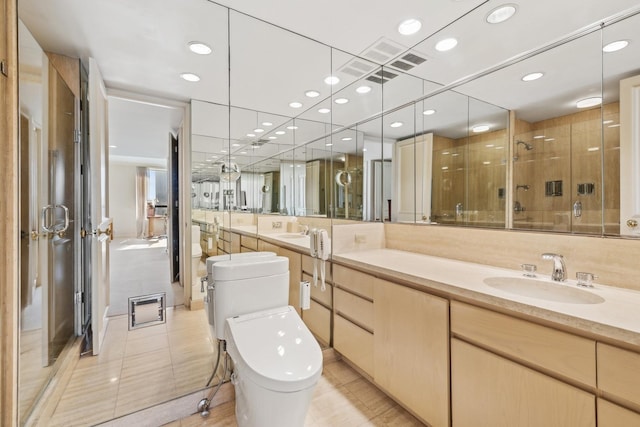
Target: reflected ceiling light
(267,124)
(295,104)
(364,149)
(549,139)
(243,152)
(428,112)
(606,122)
(480,128)
(190,77)
(209,160)
(235,145)
(490,145)
(446,44)
(363,89)
(324,110)
(273,137)
(312,93)
(292,127)
(593,148)
(396,124)
(341,101)
(532,76)
(113,146)
(538,137)
(617,125)
(615,46)
(258,130)
(501,13)
(332,80)
(589,102)
(347,138)
(223,151)
(199,48)
(251,135)
(328,144)
(409,26)
(280,132)
(486,162)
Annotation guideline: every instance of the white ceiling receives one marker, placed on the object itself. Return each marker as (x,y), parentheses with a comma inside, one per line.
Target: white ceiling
(141,48)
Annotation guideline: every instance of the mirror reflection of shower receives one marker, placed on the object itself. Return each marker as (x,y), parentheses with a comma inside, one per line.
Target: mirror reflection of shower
(527,146)
(517,206)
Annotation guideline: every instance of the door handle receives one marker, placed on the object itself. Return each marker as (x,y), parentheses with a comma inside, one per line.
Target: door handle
(577,209)
(46,221)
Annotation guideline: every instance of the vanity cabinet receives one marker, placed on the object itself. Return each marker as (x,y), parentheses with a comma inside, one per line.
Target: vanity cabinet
(618,380)
(411,349)
(507,371)
(228,243)
(492,391)
(295,275)
(318,316)
(353,333)
(248,243)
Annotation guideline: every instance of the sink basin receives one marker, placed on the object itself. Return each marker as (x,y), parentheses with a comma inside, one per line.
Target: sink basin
(291,236)
(544,290)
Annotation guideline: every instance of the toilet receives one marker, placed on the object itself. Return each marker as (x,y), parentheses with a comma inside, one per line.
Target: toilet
(196,254)
(210,295)
(277,361)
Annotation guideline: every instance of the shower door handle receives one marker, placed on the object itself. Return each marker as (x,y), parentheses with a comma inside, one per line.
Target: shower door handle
(46,220)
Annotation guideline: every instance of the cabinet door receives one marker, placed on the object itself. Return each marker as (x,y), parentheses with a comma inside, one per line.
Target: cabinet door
(411,349)
(488,390)
(295,275)
(610,415)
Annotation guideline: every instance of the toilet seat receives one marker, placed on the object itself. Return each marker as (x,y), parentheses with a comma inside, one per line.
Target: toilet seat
(276,349)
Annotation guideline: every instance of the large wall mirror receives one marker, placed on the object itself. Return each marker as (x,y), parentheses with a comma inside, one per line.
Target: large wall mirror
(489,139)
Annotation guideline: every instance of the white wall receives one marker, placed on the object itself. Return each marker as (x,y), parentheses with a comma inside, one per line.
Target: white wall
(122,199)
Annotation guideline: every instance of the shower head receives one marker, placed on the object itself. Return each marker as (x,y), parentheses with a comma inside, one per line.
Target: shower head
(527,146)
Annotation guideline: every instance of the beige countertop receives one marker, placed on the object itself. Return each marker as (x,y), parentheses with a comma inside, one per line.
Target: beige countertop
(247,230)
(617,318)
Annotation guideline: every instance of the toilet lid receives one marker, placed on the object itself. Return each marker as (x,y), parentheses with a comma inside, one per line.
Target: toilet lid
(277,349)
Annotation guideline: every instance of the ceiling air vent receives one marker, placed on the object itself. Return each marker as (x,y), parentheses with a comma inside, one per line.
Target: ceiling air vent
(383,51)
(407,61)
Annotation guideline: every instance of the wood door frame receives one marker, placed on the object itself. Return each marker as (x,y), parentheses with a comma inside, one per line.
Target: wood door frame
(9,226)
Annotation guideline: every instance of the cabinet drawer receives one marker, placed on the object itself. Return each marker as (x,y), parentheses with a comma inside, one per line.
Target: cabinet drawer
(326,297)
(619,372)
(243,249)
(307,266)
(355,281)
(611,415)
(354,308)
(354,343)
(556,351)
(318,320)
(249,242)
(225,235)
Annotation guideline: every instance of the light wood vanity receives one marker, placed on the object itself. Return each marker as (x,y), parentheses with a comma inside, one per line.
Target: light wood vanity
(457,357)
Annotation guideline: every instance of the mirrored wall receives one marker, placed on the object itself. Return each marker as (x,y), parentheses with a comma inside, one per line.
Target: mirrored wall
(494,140)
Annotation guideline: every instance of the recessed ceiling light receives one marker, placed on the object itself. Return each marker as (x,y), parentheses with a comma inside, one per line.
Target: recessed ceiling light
(312,93)
(223,151)
(243,152)
(190,77)
(280,132)
(341,101)
(532,76)
(347,138)
(614,46)
(251,135)
(235,145)
(332,80)
(409,26)
(113,146)
(324,110)
(292,127)
(328,144)
(199,48)
(295,104)
(267,124)
(428,112)
(480,128)
(364,149)
(363,89)
(258,130)
(446,44)
(273,137)
(589,102)
(396,124)
(501,13)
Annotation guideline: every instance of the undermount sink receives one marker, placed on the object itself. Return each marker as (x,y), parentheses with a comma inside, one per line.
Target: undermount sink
(544,290)
(291,236)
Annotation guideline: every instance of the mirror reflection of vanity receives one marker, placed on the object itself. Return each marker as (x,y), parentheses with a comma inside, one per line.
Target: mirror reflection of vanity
(492,150)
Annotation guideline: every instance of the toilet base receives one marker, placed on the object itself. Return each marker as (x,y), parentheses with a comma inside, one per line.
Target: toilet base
(259,407)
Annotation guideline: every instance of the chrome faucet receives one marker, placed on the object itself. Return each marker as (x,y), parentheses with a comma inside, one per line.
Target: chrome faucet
(305,230)
(559,273)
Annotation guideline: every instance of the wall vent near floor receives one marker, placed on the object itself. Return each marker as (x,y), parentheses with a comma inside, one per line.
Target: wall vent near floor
(147,310)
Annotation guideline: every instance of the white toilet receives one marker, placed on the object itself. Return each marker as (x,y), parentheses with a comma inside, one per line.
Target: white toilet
(277,361)
(210,296)
(196,255)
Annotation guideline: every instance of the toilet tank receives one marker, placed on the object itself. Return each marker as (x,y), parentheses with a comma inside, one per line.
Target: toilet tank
(213,260)
(246,285)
